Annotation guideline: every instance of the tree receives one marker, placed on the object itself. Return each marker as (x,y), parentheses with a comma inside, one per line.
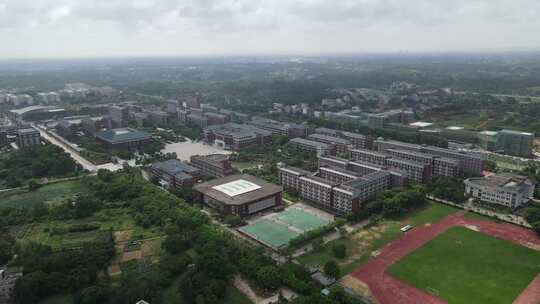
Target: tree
(340,251)
(331,268)
(269,277)
(33,185)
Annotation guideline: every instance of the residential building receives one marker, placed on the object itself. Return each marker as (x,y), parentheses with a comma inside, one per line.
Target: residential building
(310,146)
(28,137)
(505,189)
(238,194)
(369,156)
(175,174)
(341,145)
(515,143)
(123,138)
(469,164)
(418,172)
(358,141)
(216,165)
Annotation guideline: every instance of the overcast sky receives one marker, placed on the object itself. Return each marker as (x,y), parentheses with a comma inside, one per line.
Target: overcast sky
(103,28)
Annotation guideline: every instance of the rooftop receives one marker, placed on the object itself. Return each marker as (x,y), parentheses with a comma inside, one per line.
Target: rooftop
(332,139)
(122,135)
(307,142)
(238,130)
(174,166)
(237,189)
(508,181)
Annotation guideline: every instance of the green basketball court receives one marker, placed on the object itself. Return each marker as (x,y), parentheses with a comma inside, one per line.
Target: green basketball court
(278,229)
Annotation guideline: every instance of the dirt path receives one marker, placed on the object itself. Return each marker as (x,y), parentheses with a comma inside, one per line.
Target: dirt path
(389,290)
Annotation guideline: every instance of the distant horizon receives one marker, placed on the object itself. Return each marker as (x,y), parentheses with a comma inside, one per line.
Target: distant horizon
(292,55)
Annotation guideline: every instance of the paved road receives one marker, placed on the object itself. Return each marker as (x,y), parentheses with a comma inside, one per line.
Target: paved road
(86,164)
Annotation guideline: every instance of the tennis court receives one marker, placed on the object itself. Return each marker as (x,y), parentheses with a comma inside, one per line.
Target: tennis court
(276,230)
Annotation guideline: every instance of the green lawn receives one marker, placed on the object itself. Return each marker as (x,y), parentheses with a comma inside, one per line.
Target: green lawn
(53,193)
(464,266)
(361,244)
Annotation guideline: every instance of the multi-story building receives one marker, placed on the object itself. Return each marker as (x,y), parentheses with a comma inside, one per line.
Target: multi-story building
(175,174)
(291,130)
(311,146)
(91,125)
(509,190)
(327,132)
(198,120)
(380,120)
(418,172)
(236,136)
(358,141)
(317,190)
(349,196)
(515,143)
(69,126)
(369,156)
(441,166)
(336,190)
(3,138)
(123,138)
(217,118)
(8,279)
(28,137)
(342,145)
(238,194)
(216,165)
(333,161)
(289,177)
(119,115)
(468,163)
(337,175)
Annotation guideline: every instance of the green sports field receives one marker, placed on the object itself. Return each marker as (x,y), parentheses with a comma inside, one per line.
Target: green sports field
(462,266)
(277,230)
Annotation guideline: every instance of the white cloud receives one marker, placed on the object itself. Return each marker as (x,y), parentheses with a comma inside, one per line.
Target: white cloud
(175,27)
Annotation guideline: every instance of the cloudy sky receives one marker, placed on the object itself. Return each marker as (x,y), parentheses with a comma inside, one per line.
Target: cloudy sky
(103,28)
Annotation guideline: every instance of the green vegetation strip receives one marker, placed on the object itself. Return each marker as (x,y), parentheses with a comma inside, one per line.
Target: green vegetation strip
(464,266)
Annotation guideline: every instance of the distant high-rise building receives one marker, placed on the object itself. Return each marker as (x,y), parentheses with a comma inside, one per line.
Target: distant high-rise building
(119,116)
(515,143)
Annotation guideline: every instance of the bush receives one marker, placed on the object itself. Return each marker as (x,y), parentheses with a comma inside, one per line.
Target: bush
(331,269)
(340,251)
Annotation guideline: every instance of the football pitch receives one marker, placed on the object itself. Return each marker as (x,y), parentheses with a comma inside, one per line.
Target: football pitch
(278,229)
(463,266)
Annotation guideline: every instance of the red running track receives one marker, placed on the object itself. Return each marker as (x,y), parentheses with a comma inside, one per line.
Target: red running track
(388,290)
